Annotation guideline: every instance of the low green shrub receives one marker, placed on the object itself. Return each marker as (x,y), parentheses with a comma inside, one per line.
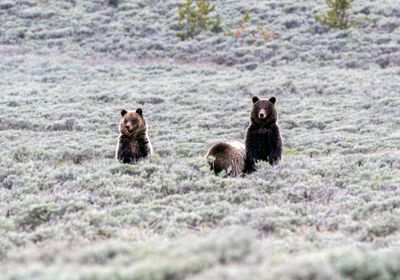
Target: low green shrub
(338,14)
(196,18)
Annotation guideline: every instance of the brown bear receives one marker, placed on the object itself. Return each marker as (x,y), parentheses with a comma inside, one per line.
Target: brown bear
(227,156)
(133,142)
(263,139)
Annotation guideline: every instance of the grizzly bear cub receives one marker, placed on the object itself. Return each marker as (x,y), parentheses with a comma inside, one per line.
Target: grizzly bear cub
(263,139)
(227,156)
(133,142)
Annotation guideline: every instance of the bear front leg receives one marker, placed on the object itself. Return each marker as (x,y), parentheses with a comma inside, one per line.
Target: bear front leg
(125,156)
(275,156)
(276,153)
(250,166)
(251,156)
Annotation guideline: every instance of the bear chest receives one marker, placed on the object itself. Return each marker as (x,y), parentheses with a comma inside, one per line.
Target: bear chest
(129,152)
(135,149)
(263,138)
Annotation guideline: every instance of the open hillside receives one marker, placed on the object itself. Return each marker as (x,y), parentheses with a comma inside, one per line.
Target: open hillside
(69,210)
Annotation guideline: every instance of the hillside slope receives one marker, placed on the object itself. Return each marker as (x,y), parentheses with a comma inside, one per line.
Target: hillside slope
(68,210)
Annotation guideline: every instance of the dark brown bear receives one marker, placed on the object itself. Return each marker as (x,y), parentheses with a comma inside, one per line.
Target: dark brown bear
(133,142)
(227,156)
(263,139)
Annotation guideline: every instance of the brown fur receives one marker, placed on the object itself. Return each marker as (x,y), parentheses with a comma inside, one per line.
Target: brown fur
(133,142)
(228,157)
(131,124)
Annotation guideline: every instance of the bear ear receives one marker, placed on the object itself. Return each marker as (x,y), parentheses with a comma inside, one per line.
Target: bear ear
(255,99)
(123,112)
(272,99)
(139,111)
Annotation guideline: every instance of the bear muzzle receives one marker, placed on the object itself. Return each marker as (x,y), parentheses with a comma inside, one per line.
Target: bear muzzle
(126,128)
(262,114)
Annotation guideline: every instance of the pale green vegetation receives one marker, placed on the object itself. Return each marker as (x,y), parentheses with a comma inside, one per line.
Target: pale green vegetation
(338,14)
(195,18)
(68,210)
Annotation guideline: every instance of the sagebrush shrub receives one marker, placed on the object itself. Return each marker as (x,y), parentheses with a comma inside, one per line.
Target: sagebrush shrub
(196,18)
(338,14)
(258,31)
(38,215)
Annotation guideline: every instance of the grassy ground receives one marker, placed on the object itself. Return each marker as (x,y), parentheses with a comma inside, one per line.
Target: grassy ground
(68,210)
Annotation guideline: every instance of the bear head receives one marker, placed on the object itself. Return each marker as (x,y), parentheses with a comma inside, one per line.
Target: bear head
(263,112)
(132,122)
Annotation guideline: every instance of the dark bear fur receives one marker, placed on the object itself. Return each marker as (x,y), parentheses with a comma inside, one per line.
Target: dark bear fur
(263,139)
(133,142)
(227,156)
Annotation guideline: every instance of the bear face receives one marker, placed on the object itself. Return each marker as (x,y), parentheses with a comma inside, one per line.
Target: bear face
(132,122)
(263,112)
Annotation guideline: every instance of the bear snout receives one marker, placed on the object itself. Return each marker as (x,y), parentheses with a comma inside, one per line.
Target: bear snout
(126,128)
(262,114)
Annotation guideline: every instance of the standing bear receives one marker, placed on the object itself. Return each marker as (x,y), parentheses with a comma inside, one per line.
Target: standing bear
(263,139)
(133,142)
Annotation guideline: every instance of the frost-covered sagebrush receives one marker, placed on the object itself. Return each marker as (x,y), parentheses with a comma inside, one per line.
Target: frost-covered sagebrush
(69,210)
